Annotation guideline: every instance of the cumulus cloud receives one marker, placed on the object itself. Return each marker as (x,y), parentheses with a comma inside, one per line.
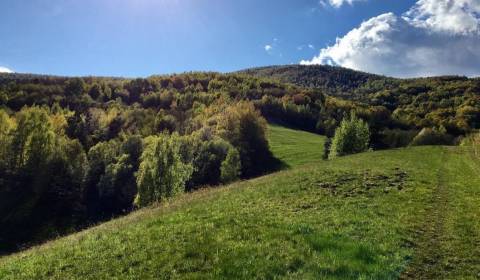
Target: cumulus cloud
(456,16)
(435,37)
(5,70)
(268,47)
(337,3)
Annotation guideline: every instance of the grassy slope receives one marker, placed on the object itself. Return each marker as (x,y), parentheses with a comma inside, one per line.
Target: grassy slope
(355,217)
(295,147)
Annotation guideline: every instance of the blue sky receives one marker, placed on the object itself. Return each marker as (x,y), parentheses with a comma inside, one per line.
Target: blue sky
(144,37)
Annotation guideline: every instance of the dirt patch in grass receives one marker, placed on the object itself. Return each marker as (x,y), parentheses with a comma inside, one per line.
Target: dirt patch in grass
(365,183)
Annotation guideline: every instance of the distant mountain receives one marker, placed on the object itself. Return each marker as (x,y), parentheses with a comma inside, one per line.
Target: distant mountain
(335,80)
(351,84)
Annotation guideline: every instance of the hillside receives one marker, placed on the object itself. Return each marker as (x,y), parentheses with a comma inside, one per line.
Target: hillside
(448,102)
(73,150)
(99,135)
(293,147)
(369,88)
(378,215)
(330,78)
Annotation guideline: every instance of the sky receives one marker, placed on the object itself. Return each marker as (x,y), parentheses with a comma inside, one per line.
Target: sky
(139,38)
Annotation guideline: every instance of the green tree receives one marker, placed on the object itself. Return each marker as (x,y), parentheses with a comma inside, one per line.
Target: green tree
(208,160)
(34,139)
(45,179)
(75,87)
(244,127)
(63,190)
(161,174)
(352,136)
(3,98)
(95,91)
(230,167)
(6,127)
(111,180)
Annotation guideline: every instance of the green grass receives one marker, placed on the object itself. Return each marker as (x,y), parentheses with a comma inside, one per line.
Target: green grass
(359,217)
(293,147)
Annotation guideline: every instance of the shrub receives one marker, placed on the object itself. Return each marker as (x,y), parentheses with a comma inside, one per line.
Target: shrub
(326,148)
(352,136)
(395,138)
(230,167)
(432,136)
(472,140)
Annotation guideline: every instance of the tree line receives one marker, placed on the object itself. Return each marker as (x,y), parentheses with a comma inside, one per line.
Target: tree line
(397,109)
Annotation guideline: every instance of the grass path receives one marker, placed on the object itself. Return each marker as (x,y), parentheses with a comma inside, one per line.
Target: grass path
(428,255)
(448,243)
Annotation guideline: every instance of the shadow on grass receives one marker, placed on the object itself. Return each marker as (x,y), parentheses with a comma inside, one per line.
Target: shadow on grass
(277,165)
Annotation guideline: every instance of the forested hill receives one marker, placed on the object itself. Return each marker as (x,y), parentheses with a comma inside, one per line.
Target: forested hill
(335,80)
(76,151)
(448,102)
(356,85)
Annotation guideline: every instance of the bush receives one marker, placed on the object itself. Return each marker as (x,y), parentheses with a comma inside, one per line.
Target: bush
(161,174)
(433,136)
(395,138)
(472,140)
(326,148)
(230,167)
(353,136)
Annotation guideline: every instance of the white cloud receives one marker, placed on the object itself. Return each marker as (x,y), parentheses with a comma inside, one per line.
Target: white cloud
(5,70)
(337,3)
(456,16)
(302,47)
(273,48)
(323,3)
(435,37)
